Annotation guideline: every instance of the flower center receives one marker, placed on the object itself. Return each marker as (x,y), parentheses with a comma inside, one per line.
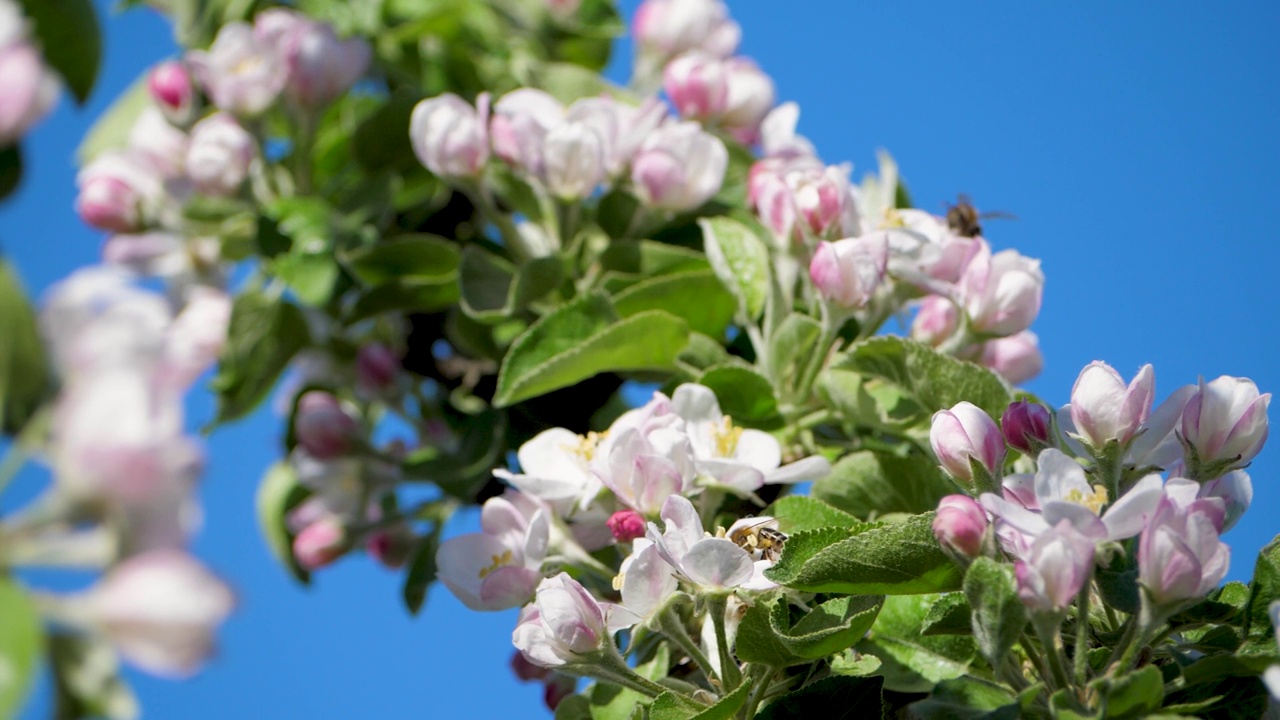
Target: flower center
(499,561)
(586,446)
(1094,501)
(892,219)
(726,437)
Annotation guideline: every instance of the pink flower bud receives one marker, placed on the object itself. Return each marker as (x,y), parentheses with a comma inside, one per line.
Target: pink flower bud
(117,191)
(391,547)
(1103,408)
(1225,420)
(173,91)
(679,167)
(698,85)
(377,368)
(320,67)
(627,525)
(557,689)
(526,671)
(28,92)
(848,272)
(935,321)
(323,427)
(751,97)
(161,610)
(966,432)
(320,543)
(159,143)
(573,161)
(667,28)
(1057,565)
(240,73)
(960,524)
(521,120)
(1016,358)
(450,137)
(220,155)
(1026,427)
(564,623)
(1001,292)
(1180,555)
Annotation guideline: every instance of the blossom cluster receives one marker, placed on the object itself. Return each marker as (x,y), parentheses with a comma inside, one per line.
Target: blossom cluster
(30,88)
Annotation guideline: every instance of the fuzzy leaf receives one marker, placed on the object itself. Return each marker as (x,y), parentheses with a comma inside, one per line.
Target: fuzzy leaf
(695,295)
(21,645)
(744,395)
(867,484)
(264,336)
(914,662)
(669,706)
(741,260)
(278,494)
(999,617)
(768,636)
(796,513)
(934,380)
(950,615)
(1133,695)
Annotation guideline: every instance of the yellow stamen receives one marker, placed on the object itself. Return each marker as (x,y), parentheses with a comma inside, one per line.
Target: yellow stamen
(892,219)
(726,438)
(499,561)
(1094,501)
(586,446)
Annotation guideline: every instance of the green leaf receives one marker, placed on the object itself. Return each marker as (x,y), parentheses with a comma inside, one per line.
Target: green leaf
(999,617)
(833,698)
(914,662)
(1133,695)
(567,82)
(791,346)
(382,142)
(10,170)
(1218,667)
(950,615)
(868,484)
(768,636)
(463,471)
(869,402)
(493,290)
(1264,589)
(278,494)
(24,373)
(796,513)
(701,354)
(646,258)
(900,558)
(417,257)
(21,646)
(669,706)
(935,380)
(70,40)
(854,664)
(695,295)
(744,395)
(582,339)
(1118,583)
(422,572)
(611,702)
(263,337)
(574,707)
(307,264)
(966,698)
(111,130)
(87,681)
(741,260)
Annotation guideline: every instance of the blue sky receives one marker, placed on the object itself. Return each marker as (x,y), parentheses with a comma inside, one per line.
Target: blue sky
(1135,142)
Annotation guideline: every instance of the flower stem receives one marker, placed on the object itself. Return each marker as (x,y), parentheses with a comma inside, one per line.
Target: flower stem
(1034,656)
(1082,635)
(758,692)
(1048,628)
(730,675)
(1140,631)
(831,323)
(672,625)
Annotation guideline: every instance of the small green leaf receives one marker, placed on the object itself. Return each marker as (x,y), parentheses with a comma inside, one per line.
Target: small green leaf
(24,374)
(695,295)
(382,142)
(419,257)
(796,513)
(768,636)
(744,395)
(669,706)
(900,558)
(21,646)
(493,289)
(741,260)
(935,380)
(1264,589)
(567,82)
(70,40)
(574,707)
(791,347)
(263,337)
(278,494)
(868,484)
(854,664)
(1218,667)
(950,615)
(646,258)
(111,130)
(422,572)
(833,698)
(999,617)
(1133,695)
(10,170)
(611,702)
(914,662)
(582,339)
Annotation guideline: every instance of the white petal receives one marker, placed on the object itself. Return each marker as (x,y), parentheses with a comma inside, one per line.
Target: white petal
(717,562)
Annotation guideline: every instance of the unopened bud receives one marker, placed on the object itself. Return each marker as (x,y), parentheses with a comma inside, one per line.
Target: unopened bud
(964,433)
(377,367)
(960,524)
(626,525)
(323,428)
(173,91)
(1026,425)
(320,543)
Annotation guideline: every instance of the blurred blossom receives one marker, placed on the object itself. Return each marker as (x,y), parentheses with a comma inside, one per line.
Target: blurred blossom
(621,127)
(751,97)
(963,434)
(451,137)
(499,567)
(119,191)
(28,89)
(240,73)
(679,167)
(377,368)
(320,543)
(320,67)
(935,321)
(778,138)
(1001,292)
(173,91)
(161,610)
(1016,358)
(220,154)
(573,161)
(521,120)
(666,28)
(848,272)
(162,145)
(324,428)
(799,198)
(698,85)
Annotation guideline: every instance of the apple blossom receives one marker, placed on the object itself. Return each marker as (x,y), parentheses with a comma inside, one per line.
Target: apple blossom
(163,146)
(960,524)
(451,137)
(848,272)
(798,197)
(565,624)
(1103,408)
(28,90)
(320,67)
(324,428)
(751,97)
(1225,422)
(173,91)
(519,125)
(666,28)
(555,467)
(220,154)
(573,161)
(645,579)
(935,321)
(698,85)
(622,128)
(119,191)
(649,463)
(679,167)
(377,368)
(1180,556)
(195,338)
(1057,565)
(778,138)
(1002,292)
(1235,490)
(161,610)
(714,563)
(963,434)
(239,73)
(1026,426)
(320,543)
(1016,358)
(499,567)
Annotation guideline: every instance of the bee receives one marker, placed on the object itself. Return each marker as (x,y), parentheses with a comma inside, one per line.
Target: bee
(965,220)
(759,537)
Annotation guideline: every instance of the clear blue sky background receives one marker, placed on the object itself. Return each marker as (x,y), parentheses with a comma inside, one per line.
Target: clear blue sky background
(1136,142)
